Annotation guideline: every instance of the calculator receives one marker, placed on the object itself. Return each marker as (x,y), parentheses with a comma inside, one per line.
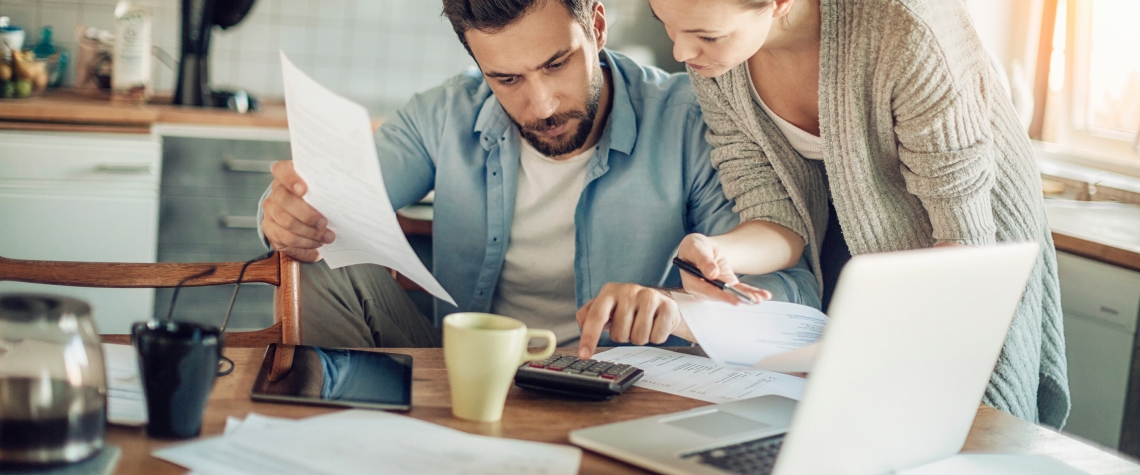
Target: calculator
(577,378)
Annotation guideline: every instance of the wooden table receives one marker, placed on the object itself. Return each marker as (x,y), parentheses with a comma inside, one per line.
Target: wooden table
(534,417)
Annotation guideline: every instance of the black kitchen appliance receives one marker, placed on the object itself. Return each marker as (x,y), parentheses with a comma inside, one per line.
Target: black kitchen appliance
(198,20)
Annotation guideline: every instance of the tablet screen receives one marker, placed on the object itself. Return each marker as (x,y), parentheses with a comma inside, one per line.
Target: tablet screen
(335,377)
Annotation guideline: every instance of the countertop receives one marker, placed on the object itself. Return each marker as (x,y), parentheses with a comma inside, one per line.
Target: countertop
(1104,231)
(69,110)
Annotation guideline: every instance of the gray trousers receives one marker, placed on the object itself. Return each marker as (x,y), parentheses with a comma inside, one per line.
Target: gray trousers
(360,306)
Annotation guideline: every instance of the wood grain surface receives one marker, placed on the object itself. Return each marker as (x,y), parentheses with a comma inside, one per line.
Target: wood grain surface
(70,107)
(531,416)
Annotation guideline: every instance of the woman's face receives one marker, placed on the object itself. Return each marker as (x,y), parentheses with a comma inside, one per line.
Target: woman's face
(713,36)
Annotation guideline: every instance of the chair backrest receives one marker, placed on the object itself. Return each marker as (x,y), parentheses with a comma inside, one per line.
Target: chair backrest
(278,269)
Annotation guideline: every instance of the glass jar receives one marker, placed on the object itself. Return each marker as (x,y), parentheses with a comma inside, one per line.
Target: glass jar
(53,391)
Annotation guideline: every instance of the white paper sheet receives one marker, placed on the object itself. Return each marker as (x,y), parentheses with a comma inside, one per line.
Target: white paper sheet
(126,403)
(335,154)
(701,378)
(994,464)
(367,442)
(774,336)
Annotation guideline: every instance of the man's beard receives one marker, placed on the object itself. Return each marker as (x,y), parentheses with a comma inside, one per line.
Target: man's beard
(530,130)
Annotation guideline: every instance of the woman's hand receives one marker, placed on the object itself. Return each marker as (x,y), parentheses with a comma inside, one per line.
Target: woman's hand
(705,253)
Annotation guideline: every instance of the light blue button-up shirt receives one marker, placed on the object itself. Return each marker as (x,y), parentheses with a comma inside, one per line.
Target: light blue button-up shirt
(649,184)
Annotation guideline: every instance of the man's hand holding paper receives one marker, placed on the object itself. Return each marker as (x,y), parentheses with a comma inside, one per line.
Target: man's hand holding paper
(333,196)
(290,224)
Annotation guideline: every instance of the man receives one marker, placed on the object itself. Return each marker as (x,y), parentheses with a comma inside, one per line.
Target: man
(565,176)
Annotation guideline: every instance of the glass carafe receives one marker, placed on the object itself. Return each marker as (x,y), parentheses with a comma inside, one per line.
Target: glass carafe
(53,391)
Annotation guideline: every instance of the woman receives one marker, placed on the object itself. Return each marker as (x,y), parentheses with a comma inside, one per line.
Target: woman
(886,113)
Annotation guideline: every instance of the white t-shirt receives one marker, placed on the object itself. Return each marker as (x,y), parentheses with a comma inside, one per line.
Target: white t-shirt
(536,284)
(808,145)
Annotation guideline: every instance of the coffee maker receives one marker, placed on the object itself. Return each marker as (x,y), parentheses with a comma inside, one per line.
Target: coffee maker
(198,20)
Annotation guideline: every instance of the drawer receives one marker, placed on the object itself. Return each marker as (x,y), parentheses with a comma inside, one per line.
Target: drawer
(1106,293)
(69,158)
(201,220)
(214,163)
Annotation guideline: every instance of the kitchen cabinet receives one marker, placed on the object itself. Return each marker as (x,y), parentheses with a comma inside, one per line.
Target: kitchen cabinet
(1101,303)
(210,192)
(82,197)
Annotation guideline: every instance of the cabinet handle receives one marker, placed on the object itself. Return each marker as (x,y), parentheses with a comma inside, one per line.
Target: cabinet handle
(125,168)
(238,222)
(252,166)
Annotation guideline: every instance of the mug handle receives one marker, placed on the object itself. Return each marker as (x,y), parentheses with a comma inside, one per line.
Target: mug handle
(551,343)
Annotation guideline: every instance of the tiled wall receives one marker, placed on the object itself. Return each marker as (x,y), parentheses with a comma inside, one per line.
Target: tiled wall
(377,52)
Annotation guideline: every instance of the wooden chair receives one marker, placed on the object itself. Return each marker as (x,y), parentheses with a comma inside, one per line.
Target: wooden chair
(278,269)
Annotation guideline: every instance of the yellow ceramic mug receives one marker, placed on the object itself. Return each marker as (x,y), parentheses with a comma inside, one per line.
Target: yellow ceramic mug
(482,352)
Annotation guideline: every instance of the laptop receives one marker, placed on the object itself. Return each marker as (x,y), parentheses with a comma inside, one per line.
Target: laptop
(902,367)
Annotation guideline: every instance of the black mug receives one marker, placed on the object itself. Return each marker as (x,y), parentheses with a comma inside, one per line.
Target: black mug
(178,362)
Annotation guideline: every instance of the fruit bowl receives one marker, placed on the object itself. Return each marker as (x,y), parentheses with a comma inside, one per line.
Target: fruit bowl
(24,75)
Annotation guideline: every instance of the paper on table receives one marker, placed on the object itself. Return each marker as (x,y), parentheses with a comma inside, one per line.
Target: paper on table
(701,378)
(368,442)
(335,154)
(774,336)
(126,404)
(994,464)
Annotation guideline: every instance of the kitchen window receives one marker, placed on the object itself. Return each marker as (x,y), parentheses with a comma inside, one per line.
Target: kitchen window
(1093,101)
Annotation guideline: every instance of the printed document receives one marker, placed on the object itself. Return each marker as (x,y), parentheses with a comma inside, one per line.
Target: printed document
(365,442)
(774,336)
(335,154)
(701,378)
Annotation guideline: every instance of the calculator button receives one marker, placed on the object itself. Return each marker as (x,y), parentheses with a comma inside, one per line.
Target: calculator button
(571,371)
(602,366)
(609,376)
(537,364)
(580,365)
(592,374)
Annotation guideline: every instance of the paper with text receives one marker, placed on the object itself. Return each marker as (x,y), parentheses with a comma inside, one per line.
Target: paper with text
(366,442)
(701,378)
(774,336)
(335,154)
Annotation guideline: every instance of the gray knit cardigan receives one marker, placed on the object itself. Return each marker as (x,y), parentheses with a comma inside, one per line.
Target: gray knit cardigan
(921,146)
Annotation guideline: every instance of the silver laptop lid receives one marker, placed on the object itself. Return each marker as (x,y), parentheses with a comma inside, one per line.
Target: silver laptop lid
(905,359)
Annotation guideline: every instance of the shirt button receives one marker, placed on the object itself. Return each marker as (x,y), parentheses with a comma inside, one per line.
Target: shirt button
(494,239)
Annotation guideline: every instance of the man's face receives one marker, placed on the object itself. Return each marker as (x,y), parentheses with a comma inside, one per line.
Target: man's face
(544,71)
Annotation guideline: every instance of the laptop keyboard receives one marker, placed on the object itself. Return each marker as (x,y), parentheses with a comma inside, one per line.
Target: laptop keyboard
(755,457)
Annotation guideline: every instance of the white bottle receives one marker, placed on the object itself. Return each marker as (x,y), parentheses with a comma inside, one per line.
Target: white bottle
(131,76)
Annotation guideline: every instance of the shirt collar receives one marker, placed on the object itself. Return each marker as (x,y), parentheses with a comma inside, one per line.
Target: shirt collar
(620,132)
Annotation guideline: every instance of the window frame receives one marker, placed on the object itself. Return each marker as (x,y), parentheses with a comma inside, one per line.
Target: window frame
(1101,148)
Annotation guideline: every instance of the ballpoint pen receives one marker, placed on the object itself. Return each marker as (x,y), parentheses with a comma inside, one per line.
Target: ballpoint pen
(691,269)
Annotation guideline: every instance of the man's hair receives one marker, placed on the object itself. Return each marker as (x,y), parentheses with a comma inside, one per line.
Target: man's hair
(491,16)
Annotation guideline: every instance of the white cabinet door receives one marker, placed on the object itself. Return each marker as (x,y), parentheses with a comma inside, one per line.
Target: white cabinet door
(82,197)
(1100,304)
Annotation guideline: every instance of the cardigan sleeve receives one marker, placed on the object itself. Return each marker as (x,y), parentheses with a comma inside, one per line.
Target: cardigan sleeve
(944,130)
(746,174)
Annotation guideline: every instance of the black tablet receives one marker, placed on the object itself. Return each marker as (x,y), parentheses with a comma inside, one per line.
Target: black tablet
(334,377)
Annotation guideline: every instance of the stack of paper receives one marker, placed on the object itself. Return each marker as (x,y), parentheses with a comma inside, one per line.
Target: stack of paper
(774,336)
(126,403)
(365,442)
